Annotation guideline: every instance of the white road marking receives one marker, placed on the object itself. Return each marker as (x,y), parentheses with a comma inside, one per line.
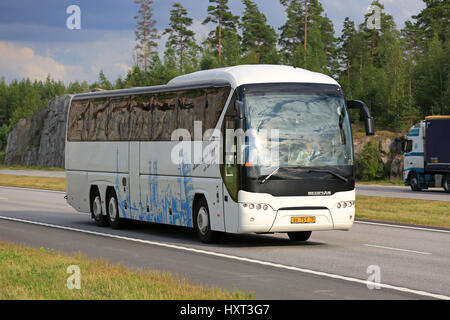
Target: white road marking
(403,227)
(396,249)
(231,257)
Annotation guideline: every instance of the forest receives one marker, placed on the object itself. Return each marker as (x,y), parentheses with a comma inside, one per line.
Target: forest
(402,74)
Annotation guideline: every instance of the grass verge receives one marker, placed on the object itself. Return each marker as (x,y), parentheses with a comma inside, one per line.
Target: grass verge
(18,167)
(419,212)
(33,182)
(28,273)
(385,182)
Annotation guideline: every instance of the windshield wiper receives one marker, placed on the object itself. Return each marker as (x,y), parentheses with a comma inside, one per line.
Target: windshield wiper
(269,175)
(337,175)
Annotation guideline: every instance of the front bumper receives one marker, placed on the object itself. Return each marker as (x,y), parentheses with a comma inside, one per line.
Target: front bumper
(277,217)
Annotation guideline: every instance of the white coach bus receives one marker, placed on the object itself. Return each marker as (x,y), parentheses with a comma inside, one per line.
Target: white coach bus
(120,153)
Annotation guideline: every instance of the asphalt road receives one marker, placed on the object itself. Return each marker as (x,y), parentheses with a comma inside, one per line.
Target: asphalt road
(435,194)
(414,263)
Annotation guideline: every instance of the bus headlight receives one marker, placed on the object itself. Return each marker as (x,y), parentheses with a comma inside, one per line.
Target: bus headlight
(257,206)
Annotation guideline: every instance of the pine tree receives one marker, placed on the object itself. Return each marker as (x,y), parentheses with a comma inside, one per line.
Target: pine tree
(181,40)
(225,37)
(146,34)
(434,20)
(104,82)
(258,37)
(348,50)
(307,38)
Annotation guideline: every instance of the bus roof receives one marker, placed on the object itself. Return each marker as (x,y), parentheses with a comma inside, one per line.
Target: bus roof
(252,74)
(233,76)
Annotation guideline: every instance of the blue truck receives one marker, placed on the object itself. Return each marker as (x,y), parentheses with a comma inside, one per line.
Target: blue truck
(427,154)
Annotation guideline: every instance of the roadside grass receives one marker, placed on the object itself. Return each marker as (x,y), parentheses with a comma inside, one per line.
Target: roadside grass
(37,274)
(33,182)
(419,212)
(384,182)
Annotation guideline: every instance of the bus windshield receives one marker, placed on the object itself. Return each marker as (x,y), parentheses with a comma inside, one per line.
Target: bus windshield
(301,126)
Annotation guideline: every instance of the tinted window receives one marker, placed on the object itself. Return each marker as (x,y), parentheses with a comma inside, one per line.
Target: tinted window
(149,117)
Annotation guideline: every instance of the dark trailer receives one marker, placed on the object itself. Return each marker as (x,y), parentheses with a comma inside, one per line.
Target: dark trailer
(437,144)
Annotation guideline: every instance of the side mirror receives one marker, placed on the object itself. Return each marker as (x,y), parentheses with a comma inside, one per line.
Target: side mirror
(365,113)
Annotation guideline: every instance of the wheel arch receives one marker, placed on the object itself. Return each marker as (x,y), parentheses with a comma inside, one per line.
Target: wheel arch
(92,189)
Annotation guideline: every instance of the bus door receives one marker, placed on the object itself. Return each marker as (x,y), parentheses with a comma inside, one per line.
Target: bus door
(230,175)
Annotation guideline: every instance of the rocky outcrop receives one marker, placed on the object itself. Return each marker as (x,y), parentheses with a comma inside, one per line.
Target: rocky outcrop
(391,151)
(40,140)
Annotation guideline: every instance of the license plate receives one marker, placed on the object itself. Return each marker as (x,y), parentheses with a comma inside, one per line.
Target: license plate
(303,219)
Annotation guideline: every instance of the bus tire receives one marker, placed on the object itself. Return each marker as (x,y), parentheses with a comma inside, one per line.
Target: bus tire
(446,183)
(414,182)
(100,219)
(202,224)
(299,236)
(112,210)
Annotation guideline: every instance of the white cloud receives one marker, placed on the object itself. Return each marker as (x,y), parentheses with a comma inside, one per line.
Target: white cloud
(18,61)
(68,61)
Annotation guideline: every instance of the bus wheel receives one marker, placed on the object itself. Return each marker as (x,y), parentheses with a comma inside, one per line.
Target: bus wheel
(299,236)
(112,209)
(414,182)
(202,223)
(446,183)
(96,209)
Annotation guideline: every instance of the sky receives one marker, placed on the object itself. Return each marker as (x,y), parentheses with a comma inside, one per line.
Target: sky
(35,40)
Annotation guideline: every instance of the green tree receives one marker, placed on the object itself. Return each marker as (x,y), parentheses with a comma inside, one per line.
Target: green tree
(369,165)
(4,105)
(258,38)
(146,34)
(307,38)
(431,86)
(181,40)
(348,51)
(103,82)
(433,20)
(224,38)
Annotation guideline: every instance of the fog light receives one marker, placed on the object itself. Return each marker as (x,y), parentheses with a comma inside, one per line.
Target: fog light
(344,205)
(339,205)
(258,206)
(244,205)
(251,206)
(265,207)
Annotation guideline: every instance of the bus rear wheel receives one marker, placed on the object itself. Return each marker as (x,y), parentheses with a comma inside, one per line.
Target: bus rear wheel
(299,236)
(202,222)
(112,209)
(96,209)
(446,183)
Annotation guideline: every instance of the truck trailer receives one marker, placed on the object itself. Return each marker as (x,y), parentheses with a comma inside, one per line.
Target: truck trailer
(427,154)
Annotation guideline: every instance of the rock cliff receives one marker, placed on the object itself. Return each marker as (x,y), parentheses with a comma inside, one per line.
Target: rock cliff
(40,140)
